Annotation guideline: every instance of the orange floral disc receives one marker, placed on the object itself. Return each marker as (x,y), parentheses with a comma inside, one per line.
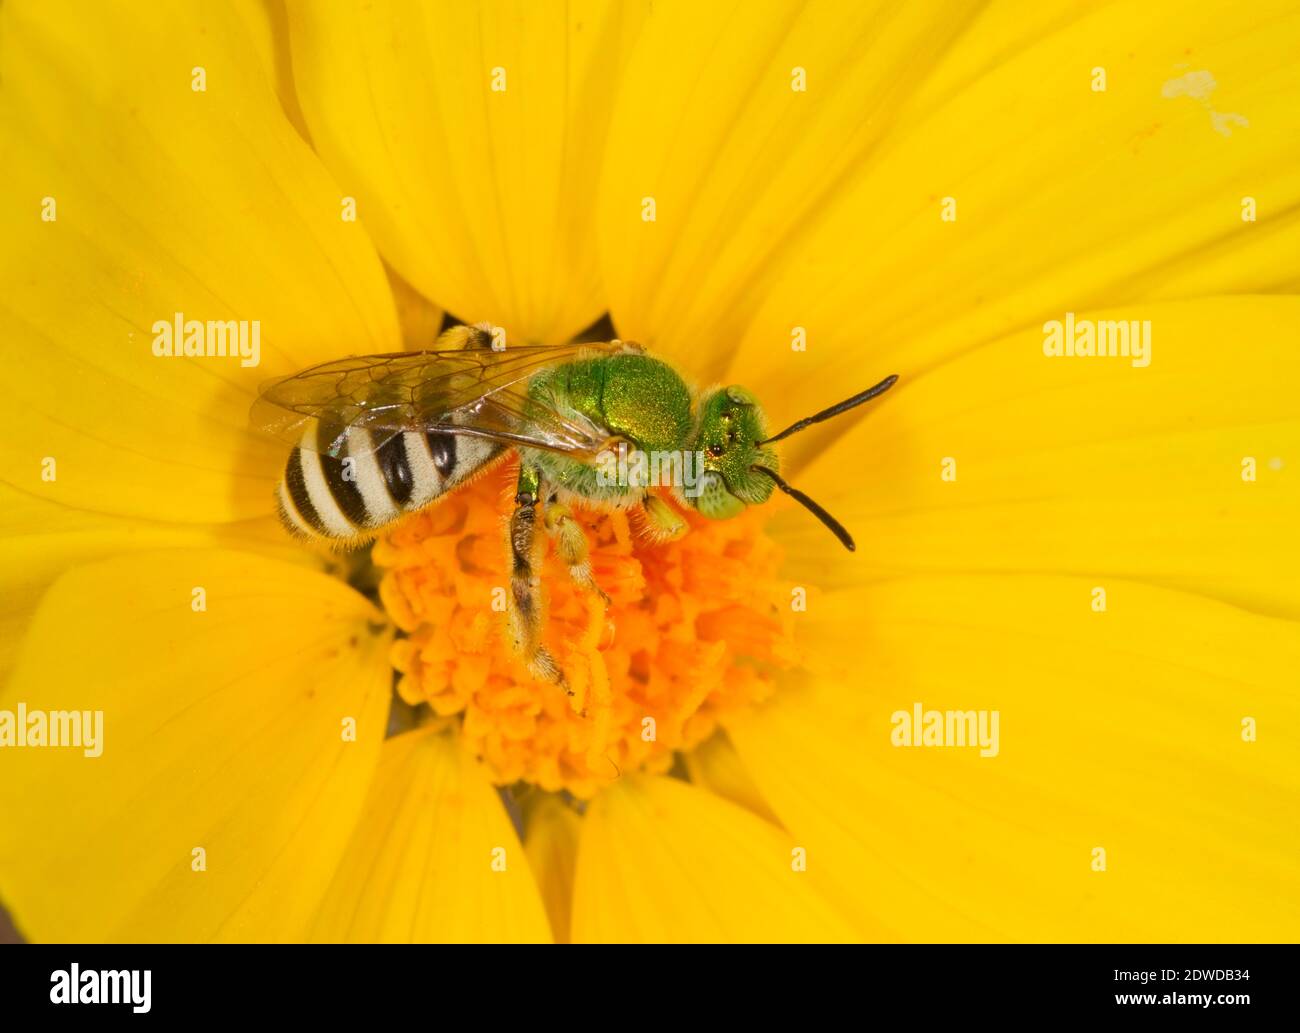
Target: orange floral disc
(696,628)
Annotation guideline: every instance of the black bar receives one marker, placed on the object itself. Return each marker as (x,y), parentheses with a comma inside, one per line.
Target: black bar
(867,984)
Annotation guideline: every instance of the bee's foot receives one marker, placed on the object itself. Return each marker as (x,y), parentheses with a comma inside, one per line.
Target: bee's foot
(662,522)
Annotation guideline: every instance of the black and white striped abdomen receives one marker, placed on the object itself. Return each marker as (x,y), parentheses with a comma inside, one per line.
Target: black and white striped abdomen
(354,494)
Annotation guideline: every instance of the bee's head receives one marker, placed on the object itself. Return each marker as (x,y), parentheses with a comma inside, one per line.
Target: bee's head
(731,430)
(740,466)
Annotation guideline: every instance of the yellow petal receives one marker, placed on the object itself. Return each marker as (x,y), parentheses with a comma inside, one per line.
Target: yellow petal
(224,744)
(714,765)
(40,539)
(470,135)
(1119,730)
(128,197)
(434,857)
(713,129)
(420,319)
(268,27)
(661,861)
(1065,197)
(1079,465)
(551,833)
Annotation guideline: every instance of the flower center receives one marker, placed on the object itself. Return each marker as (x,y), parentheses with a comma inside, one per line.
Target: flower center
(695,629)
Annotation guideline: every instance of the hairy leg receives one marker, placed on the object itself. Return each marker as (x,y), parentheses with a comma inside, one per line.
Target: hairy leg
(527,603)
(571,543)
(662,522)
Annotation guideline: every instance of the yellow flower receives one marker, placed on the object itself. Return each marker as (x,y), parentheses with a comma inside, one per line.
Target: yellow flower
(798,197)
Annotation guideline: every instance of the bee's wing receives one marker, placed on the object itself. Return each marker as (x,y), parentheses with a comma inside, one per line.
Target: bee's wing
(511,416)
(475,391)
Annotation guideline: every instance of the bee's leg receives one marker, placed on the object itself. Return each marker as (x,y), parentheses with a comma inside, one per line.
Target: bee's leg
(662,522)
(527,601)
(572,545)
(466,338)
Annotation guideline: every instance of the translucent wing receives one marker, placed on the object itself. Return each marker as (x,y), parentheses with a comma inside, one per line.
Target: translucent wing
(475,391)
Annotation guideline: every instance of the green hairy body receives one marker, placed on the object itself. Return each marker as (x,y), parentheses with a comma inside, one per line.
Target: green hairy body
(636,398)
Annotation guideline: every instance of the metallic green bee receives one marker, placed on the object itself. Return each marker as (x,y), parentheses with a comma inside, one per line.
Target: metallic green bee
(376,437)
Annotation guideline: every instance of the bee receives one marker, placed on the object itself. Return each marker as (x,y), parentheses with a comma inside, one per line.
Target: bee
(376,437)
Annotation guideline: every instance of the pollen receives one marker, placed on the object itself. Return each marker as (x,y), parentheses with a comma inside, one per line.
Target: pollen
(695,629)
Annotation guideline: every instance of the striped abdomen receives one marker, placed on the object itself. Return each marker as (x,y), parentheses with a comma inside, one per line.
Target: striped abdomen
(356,493)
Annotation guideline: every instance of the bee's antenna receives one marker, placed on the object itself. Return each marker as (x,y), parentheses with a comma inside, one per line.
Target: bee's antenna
(834,410)
(836,528)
